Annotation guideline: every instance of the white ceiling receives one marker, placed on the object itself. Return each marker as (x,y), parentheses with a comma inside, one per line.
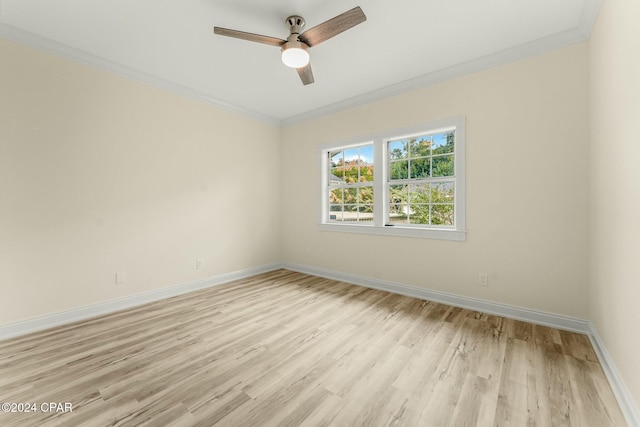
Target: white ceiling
(403,44)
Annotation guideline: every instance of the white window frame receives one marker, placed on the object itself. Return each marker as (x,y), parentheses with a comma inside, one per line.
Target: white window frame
(380,184)
(355,185)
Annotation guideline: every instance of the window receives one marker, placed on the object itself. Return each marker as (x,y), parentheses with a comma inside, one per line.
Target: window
(351,184)
(408,182)
(421,184)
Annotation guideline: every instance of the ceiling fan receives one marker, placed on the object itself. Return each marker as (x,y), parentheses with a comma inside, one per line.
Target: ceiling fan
(295,49)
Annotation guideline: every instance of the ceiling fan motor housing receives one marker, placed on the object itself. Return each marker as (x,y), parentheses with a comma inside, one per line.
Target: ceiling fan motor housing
(295,54)
(295,24)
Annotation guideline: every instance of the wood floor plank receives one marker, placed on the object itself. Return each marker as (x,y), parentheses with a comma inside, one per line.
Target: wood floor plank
(289,349)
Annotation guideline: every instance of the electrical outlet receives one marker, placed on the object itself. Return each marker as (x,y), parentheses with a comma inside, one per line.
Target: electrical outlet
(121,278)
(483,279)
(198,264)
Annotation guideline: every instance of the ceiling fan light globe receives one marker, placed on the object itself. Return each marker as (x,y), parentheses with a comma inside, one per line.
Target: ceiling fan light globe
(295,55)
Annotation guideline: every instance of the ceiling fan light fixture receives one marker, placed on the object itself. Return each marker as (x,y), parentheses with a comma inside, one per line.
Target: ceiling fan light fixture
(295,54)
(295,49)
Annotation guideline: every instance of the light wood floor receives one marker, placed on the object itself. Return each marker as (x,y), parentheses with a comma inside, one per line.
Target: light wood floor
(288,349)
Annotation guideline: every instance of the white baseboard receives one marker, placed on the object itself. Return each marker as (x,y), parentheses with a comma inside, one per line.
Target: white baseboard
(626,402)
(512,312)
(94,310)
(87,312)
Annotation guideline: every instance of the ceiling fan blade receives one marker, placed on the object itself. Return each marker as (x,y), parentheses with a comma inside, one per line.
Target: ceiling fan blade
(273,41)
(333,27)
(306,75)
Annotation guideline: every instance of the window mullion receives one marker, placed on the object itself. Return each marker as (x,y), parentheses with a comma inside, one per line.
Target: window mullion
(379,179)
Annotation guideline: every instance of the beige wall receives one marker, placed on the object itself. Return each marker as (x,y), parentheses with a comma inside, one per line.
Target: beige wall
(100,174)
(527,193)
(615,185)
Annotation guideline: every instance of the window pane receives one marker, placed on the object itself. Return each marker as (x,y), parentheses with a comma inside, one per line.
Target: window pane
(443,166)
(365,213)
(442,214)
(336,159)
(335,196)
(420,147)
(366,173)
(365,195)
(350,174)
(350,195)
(398,198)
(443,192)
(335,213)
(443,143)
(420,168)
(350,213)
(366,154)
(336,176)
(419,193)
(398,150)
(398,193)
(352,155)
(419,214)
(398,213)
(351,165)
(399,170)
(336,167)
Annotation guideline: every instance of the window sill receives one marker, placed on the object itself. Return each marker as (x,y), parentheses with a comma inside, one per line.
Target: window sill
(423,233)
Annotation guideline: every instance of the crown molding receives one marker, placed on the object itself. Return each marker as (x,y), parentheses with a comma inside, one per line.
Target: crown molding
(513,54)
(578,34)
(32,40)
(589,16)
